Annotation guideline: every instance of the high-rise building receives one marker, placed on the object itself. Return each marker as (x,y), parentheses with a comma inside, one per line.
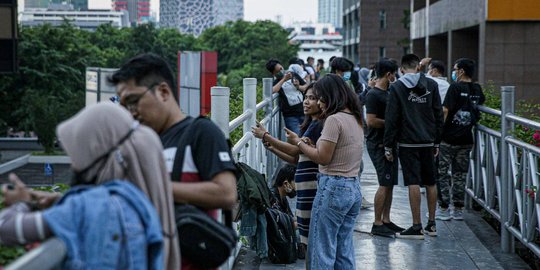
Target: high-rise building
(139,10)
(330,11)
(502,36)
(194,16)
(373,29)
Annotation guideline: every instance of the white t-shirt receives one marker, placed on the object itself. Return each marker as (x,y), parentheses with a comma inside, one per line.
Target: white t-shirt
(443,86)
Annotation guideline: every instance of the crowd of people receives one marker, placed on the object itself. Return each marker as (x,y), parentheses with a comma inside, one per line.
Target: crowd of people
(135,165)
(409,115)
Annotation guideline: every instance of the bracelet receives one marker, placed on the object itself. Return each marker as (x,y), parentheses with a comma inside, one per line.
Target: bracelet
(299,142)
(266,133)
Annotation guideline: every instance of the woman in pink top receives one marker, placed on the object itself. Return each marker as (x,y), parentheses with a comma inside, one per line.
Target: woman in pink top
(338,199)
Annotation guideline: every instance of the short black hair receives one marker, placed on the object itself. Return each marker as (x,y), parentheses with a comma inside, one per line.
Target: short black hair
(293,60)
(341,64)
(331,59)
(467,65)
(384,66)
(286,173)
(146,69)
(320,61)
(300,62)
(410,61)
(438,65)
(271,65)
(310,58)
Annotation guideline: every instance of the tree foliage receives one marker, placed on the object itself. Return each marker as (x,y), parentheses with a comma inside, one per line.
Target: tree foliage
(50,84)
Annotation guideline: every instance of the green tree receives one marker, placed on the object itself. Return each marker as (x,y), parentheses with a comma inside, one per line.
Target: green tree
(247,46)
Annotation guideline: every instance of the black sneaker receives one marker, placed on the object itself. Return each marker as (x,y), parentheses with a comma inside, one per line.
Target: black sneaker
(411,233)
(382,230)
(431,229)
(393,227)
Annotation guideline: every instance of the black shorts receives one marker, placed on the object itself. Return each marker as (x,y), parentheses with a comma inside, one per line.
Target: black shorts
(387,172)
(418,165)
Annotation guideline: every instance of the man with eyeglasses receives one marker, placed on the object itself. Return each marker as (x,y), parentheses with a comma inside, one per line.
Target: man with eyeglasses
(145,86)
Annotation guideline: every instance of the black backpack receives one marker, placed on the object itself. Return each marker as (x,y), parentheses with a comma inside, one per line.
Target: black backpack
(281,237)
(464,119)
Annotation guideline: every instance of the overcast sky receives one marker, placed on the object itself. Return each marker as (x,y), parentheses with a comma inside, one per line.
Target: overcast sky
(290,10)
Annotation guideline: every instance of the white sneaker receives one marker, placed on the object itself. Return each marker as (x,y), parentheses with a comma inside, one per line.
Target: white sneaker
(457,214)
(443,214)
(366,204)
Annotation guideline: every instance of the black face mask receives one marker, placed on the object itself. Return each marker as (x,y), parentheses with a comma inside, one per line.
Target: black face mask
(80,177)
(291,194)
(279,75)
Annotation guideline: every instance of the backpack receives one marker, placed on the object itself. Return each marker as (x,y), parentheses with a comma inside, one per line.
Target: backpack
(206,242)
(464,119)
(281,237)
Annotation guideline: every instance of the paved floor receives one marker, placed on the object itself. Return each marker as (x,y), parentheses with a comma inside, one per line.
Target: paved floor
(469,244)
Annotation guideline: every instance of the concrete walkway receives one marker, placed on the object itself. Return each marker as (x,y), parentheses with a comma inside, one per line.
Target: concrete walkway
(468,244)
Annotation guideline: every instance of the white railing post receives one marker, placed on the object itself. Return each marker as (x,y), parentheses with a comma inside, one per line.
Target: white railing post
(267,94)
(507,106)
(219,108)
(250,103)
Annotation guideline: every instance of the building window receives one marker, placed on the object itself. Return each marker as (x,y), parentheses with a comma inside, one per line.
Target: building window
(382,52)
(382,19)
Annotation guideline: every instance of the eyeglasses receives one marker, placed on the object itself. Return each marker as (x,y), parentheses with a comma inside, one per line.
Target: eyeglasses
(132,102)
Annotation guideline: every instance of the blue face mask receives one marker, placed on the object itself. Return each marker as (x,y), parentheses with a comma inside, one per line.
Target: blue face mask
(347,75)
(454,76)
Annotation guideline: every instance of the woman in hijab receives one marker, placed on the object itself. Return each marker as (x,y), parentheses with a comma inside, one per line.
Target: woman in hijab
(104,143)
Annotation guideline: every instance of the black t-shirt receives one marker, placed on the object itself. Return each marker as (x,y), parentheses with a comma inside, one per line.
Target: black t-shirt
(455,99)
(286,110)
(280,203)
(209,150)
(376,104)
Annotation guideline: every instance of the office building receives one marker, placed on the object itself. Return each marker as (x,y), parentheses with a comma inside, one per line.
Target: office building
(502,36)
(375,28)
(330,11)
(194,16)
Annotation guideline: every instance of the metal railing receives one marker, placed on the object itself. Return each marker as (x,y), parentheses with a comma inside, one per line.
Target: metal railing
(503,176)
(248,150)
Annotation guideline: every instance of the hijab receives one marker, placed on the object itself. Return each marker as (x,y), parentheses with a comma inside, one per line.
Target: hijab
(105,141)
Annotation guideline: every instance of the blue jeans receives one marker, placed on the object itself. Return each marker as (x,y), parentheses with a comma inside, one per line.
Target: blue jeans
(335,208)
(293,123)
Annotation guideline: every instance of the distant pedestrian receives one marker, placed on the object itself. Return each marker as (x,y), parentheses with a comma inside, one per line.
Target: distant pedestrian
(413,122)
(435,71)
(460,114)
(290,97)
(337,203)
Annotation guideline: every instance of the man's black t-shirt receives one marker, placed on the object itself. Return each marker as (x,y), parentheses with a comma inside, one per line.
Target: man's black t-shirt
(280,202)
(376,104)
(206,155)
(286,110)
(455,99)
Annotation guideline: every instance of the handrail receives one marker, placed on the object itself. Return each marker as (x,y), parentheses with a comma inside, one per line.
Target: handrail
(48,255)
(489,110)
(239,120)
(522,121)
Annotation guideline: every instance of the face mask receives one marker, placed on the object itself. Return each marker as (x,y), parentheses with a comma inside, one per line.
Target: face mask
(280,75)
(347,76)
(454,76)
(291,193)
(80,177)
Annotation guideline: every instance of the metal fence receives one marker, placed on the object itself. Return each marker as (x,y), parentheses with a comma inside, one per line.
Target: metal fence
(248,150)
(503,176)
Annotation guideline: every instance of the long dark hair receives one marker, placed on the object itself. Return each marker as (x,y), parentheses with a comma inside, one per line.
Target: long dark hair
(307,119)
(338,96)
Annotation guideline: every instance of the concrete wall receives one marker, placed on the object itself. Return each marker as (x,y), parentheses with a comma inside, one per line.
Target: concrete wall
(512,57)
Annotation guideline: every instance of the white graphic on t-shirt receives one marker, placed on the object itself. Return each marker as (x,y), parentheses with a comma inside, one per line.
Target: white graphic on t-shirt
(224,156)
(189,163)
(462,118)
(169,155)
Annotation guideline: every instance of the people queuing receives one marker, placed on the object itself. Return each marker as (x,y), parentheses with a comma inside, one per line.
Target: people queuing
(132,176)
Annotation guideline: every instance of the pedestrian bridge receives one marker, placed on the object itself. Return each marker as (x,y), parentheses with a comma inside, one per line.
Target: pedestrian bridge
(501,187)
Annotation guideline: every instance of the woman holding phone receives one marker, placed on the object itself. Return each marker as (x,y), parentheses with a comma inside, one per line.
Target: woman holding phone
(338,199)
